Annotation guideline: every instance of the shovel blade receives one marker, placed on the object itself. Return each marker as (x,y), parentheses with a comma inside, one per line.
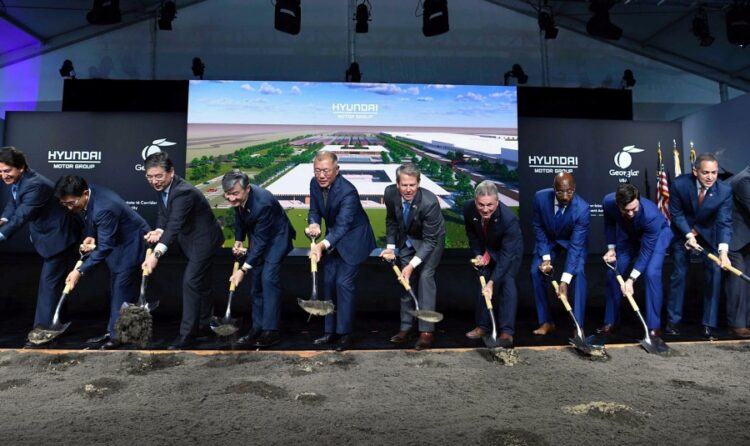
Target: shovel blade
(654,345)
(151,306)
(224,327)
(491,341)
(427,315)
(39,336)
(316,307)
(580,344)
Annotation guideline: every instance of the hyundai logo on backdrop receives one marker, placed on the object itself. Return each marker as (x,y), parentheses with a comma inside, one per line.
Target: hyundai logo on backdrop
(74,159)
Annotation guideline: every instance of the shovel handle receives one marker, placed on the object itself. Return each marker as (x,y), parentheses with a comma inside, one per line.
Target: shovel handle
(562,297)
(487,299)
(729,268)
(402,281)
(621,281)
(313,260)
(149,251)
(68,287)
(232,285)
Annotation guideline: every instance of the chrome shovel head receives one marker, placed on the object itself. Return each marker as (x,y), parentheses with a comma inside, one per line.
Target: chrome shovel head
(39,336)
(427,315)
(224,327)
(654,344)
(317,307)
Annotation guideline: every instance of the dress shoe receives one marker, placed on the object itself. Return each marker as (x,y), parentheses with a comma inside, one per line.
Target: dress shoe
(476,333)
(505,340)
(181,343)
(249,337)
(345,342)
(327,338)
(401,337)
(742,332)
(606,329)
(671,329)
(99,339)
(111,344)
(656,333)
(425,341)
(709,333)
(544,329)
(268,338)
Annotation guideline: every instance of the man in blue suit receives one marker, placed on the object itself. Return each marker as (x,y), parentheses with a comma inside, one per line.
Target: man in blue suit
(561,225)
(259,216)
(348,242)
(701,208)
(637,234)
(54,232)
(495,239)
(736,289)
(117,231)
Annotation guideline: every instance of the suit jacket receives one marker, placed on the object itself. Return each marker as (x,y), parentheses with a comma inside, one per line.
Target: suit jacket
(639,234)
(426,226)
(503,240)
(712,220)
(572,233)
(188,219)
(348,229)
(740,184)
(52,228)
(269,228)
(118,231)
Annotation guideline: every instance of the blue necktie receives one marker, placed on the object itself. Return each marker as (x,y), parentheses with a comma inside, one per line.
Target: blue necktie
(407,209)
(14,191)
(164,197)
(559,216)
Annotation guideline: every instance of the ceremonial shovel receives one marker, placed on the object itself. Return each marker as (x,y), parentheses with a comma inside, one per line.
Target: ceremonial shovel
(425,315)
(729,268)
(227,326)
(314,306)
(650,344)
(142,303)
(579,341)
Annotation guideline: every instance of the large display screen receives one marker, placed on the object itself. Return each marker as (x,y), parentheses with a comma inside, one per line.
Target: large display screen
(459,135)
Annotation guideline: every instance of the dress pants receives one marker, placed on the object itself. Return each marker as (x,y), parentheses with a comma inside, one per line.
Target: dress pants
(338,286)
(422,282)
(577,290)
(737,290)
(712,278)
(265,292)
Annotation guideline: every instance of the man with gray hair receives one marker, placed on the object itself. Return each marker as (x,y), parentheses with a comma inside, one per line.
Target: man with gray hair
(495,239)
(259,217)
(414,225)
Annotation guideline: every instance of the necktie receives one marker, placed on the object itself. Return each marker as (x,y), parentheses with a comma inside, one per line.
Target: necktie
(325,197)
(701,195)
(406,210)
(485,229)
(559,216)
(164,197)
(14,191)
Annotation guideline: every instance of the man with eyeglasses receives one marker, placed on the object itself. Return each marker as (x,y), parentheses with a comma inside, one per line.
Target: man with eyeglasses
(348,242)
(185,217)
(561,227)
(638,236)
(54,232)
(117,232)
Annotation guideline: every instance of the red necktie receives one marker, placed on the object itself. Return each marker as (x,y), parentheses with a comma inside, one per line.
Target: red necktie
(485,229)
(701,195)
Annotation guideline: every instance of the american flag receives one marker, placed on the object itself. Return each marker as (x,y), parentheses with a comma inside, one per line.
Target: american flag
(662,187)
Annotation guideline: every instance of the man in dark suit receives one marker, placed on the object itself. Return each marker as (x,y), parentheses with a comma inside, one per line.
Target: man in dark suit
(117,231)
(259,216)
(348,242)
(414,225)
(561,225)
(54,232)
(184,217)
(637,234)
(495,239)
(701,208)
(736,289)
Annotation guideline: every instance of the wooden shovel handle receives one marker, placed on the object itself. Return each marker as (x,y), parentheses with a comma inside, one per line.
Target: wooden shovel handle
(562,297)
(404,282)
(232,285)
(729,268)
(487,298)
(68,288)
(313,260)
(629,296)
(146,271)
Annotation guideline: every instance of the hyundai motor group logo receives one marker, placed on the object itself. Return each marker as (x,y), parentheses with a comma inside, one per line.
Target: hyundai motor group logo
(155,147)
(623,159)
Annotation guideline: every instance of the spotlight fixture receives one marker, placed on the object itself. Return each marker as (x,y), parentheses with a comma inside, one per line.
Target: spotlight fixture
(362,16)
(104,12)
(67,69)
(167,14)
(599,24)
(628,80)
(700,28)
(517,73)
(353,74)
(287,16)
(738,24)
(434,17)
(547,23)
(198,67)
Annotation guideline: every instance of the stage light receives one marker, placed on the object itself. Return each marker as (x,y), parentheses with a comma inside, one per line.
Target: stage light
(599,24)
(104,12)
(362,16)
(738,24)
(287,16)
(435,17)
(353,74)
(167,14)
(700,28)
(198,67)
(67,69)
(547,24)
(517,73)
(628,80)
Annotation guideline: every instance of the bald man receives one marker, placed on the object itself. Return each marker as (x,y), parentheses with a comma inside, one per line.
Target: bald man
(561,226)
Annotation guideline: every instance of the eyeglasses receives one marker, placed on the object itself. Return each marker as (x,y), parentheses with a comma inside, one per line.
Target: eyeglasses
(323,171)
(561,192)
(71,203)
(157,177)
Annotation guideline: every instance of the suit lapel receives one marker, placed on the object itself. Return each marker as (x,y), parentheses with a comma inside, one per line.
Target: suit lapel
(694,195)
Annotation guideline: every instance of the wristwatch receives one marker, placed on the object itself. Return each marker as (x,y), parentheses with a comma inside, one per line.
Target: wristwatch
(157,254)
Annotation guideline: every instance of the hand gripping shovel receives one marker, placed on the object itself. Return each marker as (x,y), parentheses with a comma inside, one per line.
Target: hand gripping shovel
(40,335)
(489,341)
(652,344)
(227,326)
(314,306)
(425,315)
(142,303)
(579,340)
(729,268)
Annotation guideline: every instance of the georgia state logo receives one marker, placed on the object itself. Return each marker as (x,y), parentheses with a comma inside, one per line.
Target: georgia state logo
(155,147)
(623,158)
